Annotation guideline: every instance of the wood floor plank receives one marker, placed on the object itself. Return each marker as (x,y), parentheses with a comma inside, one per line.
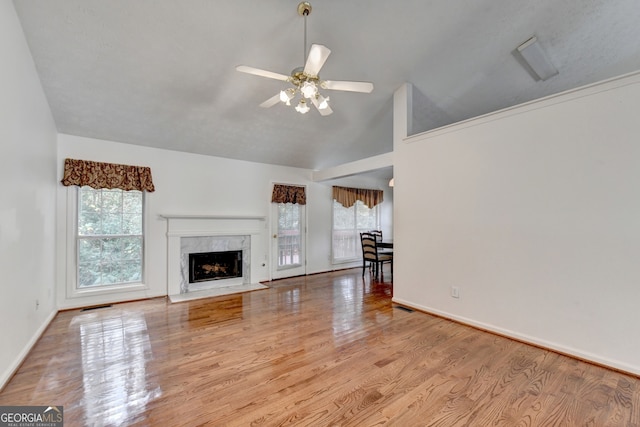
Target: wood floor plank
(322,350)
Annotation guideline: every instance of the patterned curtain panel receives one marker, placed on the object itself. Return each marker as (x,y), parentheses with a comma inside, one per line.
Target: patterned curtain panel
(288,194)
(107,175)
(348,197)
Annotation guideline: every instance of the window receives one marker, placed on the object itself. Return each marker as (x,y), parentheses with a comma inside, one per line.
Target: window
(348,223)
(109,238)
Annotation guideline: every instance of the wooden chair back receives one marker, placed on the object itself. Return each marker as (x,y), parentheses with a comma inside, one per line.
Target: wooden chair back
(369,250)
(377,234)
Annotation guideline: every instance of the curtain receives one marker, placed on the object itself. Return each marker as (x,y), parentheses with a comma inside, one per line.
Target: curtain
(107,175)
(348,197)
(288,194)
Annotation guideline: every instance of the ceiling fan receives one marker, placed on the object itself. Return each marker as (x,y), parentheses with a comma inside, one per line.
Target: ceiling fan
(306,82)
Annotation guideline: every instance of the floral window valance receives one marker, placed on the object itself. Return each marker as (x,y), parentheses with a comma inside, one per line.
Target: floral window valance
(348,197)
(107,175)
(288,194)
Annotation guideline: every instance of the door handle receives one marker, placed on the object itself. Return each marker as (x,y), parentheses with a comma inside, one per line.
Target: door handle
(275,236)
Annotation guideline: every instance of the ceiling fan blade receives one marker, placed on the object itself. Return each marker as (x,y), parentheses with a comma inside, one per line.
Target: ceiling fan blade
(262,73)
(364,87)
(318,54)
(324,111)
(271,101)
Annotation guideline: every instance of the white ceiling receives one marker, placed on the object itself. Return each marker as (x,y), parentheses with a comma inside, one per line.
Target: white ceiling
(161,73)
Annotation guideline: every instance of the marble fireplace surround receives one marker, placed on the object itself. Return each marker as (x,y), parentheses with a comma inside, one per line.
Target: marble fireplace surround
(204,233)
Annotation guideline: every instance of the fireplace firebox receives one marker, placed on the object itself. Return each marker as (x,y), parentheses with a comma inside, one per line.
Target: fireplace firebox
(214,266)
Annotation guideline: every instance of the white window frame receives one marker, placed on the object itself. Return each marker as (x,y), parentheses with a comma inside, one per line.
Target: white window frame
(72,289)
(356,230)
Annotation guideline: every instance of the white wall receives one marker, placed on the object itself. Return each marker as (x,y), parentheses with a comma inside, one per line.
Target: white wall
(534,213)
(27,195)
(194,184)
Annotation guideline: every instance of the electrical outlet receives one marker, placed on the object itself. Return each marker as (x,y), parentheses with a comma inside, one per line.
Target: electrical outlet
(455,292)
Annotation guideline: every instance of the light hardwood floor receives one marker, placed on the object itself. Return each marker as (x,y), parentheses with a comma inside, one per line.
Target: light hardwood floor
(328,349)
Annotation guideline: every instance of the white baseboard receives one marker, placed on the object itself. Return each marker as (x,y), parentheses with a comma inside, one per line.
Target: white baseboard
(538,342)
(11,369)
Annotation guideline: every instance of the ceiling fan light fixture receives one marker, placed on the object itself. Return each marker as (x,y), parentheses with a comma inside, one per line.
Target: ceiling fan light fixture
(287,95)
(302,107)
(309,89)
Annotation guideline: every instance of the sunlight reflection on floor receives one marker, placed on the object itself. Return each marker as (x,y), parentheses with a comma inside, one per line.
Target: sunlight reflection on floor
(114,354)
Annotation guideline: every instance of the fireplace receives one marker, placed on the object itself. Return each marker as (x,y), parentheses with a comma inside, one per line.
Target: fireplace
(208,266)
(198,234)
(208,262)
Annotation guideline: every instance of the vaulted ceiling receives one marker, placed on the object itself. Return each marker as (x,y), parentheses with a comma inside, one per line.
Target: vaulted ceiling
(161,73)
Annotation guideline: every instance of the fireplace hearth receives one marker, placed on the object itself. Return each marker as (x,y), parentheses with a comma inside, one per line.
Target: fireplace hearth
(209,266)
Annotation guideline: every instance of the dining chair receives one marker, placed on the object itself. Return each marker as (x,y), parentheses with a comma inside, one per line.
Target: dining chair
(370,254)
(378,236)
(377,233)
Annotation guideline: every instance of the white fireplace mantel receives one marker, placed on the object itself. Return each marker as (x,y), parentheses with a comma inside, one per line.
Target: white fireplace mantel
(181,226)
(204,216)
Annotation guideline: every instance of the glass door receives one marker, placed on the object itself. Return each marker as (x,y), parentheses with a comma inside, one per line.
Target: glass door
(288,240)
